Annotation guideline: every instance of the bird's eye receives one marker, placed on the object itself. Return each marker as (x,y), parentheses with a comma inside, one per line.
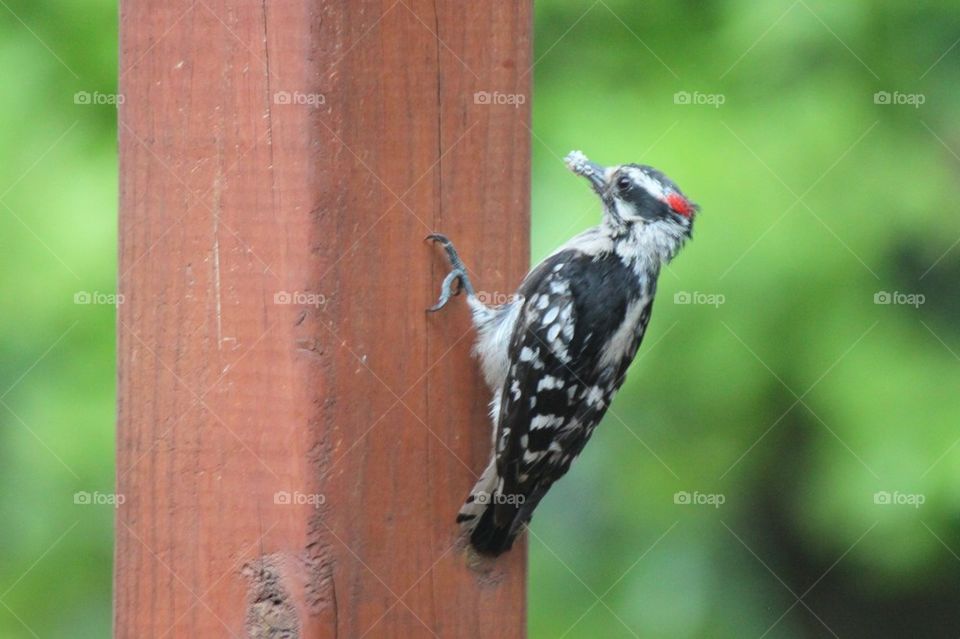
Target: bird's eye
(624,184)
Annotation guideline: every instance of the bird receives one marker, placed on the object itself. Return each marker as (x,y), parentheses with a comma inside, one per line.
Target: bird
(556,353)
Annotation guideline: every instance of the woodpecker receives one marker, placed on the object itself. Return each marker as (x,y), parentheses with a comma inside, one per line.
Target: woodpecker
(558,351)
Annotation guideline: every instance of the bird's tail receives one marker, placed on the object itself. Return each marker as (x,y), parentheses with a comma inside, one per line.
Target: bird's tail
(478,500)
(487,535)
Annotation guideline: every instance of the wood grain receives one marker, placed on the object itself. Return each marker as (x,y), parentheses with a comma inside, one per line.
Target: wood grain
(280,165)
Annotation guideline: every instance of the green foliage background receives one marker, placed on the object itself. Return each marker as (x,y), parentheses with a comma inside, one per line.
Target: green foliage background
(798,398)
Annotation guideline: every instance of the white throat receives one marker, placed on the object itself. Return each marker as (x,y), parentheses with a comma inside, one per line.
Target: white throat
(646,246)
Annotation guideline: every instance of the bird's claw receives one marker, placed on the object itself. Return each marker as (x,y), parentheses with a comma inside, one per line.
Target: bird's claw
(457,274)
(446,289)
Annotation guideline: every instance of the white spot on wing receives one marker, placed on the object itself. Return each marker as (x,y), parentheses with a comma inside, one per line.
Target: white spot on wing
(549,382)
(544,421)
(595,396)
(550,316)
(553,333)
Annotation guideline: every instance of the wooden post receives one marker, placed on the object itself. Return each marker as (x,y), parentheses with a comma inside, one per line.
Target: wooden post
(295,433)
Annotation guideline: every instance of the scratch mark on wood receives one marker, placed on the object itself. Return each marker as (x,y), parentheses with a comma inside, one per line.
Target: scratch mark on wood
(216,273)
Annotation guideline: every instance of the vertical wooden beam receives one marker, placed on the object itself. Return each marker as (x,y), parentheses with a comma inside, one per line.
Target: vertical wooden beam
(295,434)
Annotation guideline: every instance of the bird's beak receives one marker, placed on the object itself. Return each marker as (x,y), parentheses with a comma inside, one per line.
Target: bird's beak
(597,175)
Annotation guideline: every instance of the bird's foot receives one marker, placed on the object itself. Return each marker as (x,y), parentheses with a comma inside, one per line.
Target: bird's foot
(458,274)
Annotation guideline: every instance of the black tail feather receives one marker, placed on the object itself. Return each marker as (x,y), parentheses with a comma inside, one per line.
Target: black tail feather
(492,537)
(488,538)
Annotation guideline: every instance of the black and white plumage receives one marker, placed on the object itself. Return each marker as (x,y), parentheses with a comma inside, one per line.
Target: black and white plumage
(557,353)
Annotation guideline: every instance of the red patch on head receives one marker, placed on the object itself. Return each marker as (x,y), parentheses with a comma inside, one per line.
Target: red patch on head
(680,204)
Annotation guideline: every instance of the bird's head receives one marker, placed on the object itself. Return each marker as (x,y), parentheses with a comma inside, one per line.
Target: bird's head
(634,194)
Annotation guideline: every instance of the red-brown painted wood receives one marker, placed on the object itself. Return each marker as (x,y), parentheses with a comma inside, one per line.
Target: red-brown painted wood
(280,164)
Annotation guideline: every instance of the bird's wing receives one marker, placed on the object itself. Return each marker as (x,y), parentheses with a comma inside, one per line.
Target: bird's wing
(574,339)
(544,420)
